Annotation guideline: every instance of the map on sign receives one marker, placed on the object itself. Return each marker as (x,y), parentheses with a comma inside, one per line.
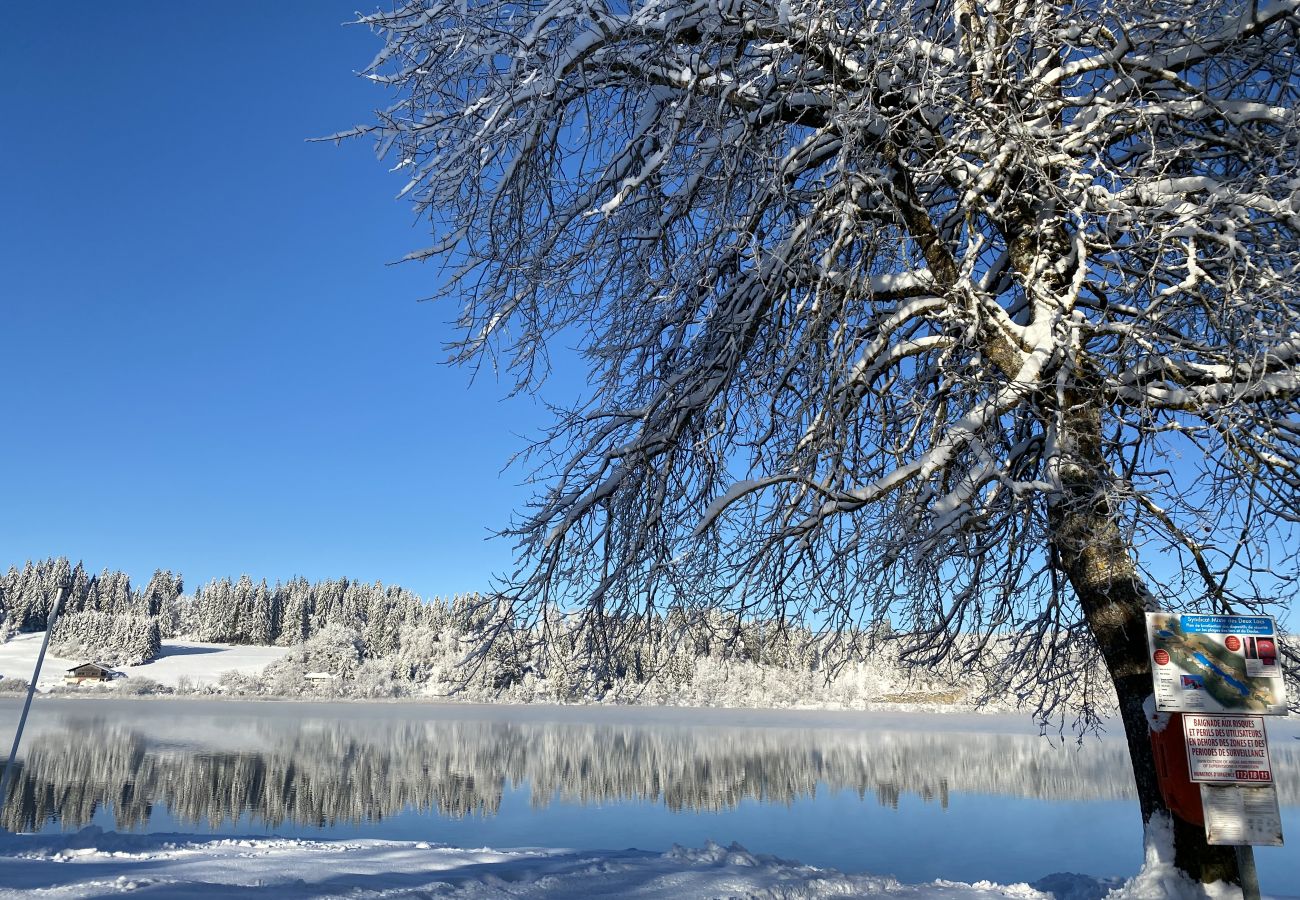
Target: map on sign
(1211,664)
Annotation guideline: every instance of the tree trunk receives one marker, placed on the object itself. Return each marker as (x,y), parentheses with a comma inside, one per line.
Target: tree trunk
(1092,551)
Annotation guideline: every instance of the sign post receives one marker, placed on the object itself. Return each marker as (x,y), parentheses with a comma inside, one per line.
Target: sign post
(1222,674)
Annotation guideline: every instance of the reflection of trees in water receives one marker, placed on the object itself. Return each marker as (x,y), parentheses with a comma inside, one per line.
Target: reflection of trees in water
(322,773)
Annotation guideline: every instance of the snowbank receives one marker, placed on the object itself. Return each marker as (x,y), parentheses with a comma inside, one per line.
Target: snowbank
(1160,880)
(92,863)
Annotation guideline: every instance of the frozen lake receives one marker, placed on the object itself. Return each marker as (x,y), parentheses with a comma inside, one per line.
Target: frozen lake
(916,796)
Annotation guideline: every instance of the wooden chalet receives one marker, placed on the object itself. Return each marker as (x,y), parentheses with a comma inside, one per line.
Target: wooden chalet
(89,671)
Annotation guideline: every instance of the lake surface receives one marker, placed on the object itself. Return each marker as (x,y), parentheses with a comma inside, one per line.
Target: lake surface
(916,796)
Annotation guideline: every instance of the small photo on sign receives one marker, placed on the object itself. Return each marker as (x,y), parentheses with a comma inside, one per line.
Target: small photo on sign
(1261,656)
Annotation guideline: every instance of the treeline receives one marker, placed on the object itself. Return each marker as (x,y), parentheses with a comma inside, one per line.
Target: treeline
(336,625)
(105,612)
(244,611)
(372,640)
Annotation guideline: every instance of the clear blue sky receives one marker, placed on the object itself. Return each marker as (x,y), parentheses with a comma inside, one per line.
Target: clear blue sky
(205,362)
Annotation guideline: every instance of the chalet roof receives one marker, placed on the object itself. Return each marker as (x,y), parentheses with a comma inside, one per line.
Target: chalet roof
(89,666)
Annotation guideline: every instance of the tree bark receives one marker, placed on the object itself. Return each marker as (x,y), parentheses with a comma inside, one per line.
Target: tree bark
(1092,551)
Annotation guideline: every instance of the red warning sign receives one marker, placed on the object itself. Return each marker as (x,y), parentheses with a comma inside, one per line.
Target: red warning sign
(1227,749)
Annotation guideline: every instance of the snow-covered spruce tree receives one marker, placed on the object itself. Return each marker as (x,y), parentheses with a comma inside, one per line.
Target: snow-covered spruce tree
(263,617)
(108,638)
(218,612)
(972,314)
(29,594)
(139,638)
(327,603)
(297,610)
(383,620)
(78,588)
(114,594)
(161,591)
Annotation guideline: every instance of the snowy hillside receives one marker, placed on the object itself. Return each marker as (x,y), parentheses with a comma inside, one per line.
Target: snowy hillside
(179,662)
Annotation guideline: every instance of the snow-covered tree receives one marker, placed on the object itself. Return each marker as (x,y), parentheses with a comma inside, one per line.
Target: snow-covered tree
(25,600)
(29,594)
(90,600)
(8,626)
(981,315)
(162,589)
(114,594)
(218,613)
(335,649)
(327,603)
(137,638)
(297,610)
(78,588)
(55,573)
(355,603)
(263,616)
(383,619)
(108,638)
(417,647)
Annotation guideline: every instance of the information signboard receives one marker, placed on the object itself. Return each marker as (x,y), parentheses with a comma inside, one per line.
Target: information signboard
(1235,814)
(1227,748)
(1216,664)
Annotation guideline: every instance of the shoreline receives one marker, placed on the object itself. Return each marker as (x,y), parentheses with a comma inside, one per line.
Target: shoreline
(938,719)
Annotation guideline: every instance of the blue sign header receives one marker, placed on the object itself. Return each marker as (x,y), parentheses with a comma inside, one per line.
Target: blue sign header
(1256,625)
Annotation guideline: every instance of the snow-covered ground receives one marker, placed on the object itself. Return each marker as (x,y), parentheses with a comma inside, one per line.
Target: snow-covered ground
(94,863)
(200,663)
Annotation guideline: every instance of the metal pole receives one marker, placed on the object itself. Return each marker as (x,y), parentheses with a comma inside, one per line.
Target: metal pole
(31,689)
(1249,877)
